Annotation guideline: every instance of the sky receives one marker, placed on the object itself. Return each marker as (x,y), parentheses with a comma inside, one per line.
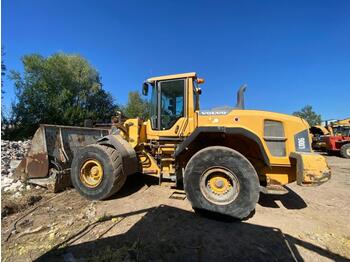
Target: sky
(289,53)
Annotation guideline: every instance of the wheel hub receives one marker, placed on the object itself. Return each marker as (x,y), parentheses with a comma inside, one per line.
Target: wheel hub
(91,173)
(219,185)
(94,171)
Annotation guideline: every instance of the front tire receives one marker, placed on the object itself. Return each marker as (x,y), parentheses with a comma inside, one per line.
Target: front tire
(97,172)
(345,151)
(221,180)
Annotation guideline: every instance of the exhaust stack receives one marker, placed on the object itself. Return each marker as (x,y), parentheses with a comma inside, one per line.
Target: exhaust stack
(240,96)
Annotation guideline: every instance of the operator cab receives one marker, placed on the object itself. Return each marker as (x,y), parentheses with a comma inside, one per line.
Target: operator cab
(170,100)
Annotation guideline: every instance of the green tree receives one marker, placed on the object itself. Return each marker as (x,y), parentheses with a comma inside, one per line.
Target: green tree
(309,115)
(136,106)
(4,122)
(60,89)
(3,69)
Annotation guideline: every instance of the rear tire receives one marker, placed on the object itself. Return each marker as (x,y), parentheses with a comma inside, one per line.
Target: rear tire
(112,178)
(345,151)
(221,180)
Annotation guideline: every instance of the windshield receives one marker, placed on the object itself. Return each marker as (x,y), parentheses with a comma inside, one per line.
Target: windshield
(341,131)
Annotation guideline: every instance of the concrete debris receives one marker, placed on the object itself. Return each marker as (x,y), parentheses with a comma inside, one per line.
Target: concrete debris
(12,152)
(12,186)
(17,194)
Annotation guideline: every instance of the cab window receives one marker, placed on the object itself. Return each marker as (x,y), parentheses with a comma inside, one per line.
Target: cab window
(154,108)
(171,102)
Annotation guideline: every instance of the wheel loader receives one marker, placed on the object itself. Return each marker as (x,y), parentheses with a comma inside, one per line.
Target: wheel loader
(223,157)
(339,139)
(332,138)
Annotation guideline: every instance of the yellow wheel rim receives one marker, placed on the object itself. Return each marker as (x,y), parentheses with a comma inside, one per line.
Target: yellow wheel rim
(219,184)
(91,173)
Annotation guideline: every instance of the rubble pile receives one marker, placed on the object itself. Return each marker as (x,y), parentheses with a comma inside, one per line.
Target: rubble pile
(12,152)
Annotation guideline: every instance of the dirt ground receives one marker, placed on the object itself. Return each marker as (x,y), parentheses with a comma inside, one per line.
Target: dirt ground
(147,222)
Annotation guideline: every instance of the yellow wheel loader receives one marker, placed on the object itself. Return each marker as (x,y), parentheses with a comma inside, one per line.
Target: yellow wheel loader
(317,133)
(224,157)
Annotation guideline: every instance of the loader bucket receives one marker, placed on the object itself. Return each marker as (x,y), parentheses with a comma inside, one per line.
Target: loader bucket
(53,147)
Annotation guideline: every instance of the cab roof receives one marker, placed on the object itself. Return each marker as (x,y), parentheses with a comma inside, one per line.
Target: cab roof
(167,77)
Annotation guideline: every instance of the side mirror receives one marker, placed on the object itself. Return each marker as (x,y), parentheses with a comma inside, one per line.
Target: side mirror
(145,89)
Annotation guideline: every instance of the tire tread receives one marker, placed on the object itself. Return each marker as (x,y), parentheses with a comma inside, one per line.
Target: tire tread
(246,173)
(117,178)
(343,150)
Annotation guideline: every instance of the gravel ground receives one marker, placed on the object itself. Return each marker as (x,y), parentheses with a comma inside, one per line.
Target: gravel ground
(147,222)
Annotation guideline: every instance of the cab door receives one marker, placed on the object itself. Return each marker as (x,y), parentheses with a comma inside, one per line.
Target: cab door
(168,110)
